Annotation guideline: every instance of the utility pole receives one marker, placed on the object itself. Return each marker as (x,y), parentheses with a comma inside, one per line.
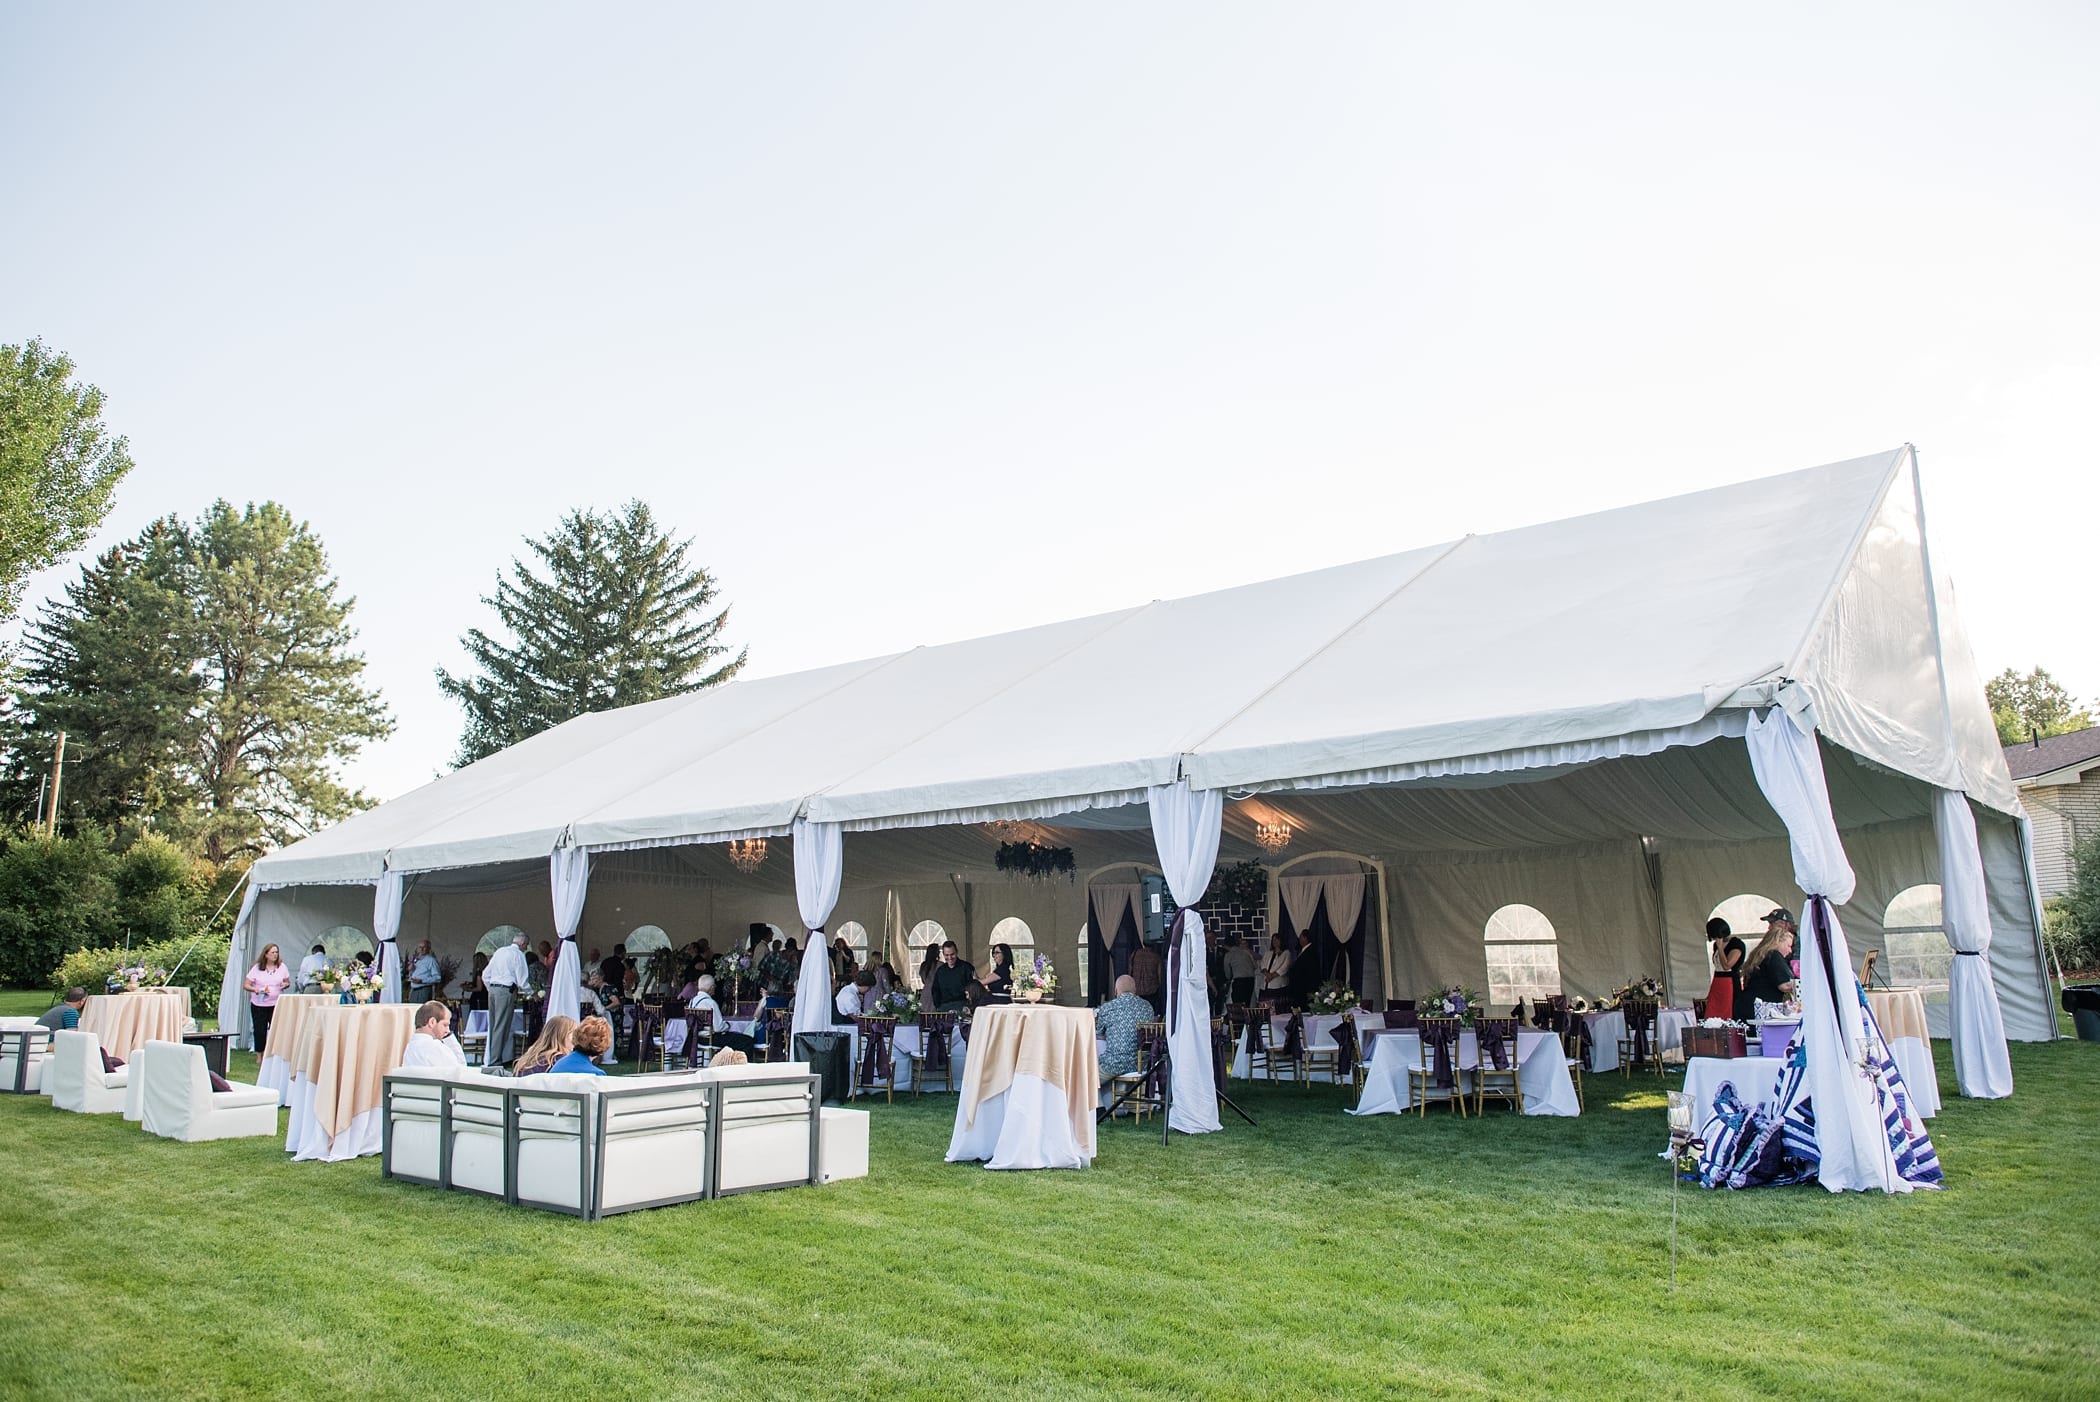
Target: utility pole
(58,768)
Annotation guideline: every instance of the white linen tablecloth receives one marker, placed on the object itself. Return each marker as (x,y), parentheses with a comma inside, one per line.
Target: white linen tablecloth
(344,1055)
(1607,1028)
(1319,1036)
(1900,1013)
(1542,1073)
(1754,1079)
(1030,1093)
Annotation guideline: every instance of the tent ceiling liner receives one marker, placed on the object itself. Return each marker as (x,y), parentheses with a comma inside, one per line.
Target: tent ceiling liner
(1555,644)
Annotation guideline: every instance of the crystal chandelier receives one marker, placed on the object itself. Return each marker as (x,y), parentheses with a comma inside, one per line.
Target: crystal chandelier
(1274,836)
(747,854)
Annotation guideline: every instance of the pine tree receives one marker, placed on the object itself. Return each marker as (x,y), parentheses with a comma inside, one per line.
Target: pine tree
(204,677)
(613,615)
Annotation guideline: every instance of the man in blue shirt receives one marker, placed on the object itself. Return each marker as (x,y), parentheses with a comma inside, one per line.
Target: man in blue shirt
(66,1016)
(1116,1022)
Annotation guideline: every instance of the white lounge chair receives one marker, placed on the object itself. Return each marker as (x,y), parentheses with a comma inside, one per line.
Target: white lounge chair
(178,1102)
(594,1146)
(76,1079)
(25,1052)
(767,1135)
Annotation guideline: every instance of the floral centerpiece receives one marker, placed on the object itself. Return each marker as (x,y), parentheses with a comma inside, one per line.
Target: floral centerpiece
(1455,1000)
(1333,996)
(1639,990)
(899,1003)
(1034,981)
(127,978)
(731,972)
(360,982)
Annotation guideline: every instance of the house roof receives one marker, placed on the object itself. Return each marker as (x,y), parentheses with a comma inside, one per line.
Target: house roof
(2054,753)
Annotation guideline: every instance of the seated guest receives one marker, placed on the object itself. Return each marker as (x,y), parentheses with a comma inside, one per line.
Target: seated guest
(703,1000)
(311,969)
(66,1016)
(885,979)
(1000,981)
(729,1056)
(950,984)
(550,1046)
(1116,1022)
(854,998)
(433,1044)
(593,1036)
(977,994)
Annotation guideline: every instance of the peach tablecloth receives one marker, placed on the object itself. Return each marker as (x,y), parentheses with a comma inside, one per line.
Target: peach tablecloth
(124,1022)
(1900,1011)
(1048,1052)
(343,1057)
(289,1021)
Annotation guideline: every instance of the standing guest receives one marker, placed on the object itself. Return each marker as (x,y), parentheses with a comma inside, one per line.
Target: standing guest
(885,979)
(433,1044)
(854,998)
(952,978)
(593,962)
(65,1017)
(843,965)
(1276,972)
(927,965)
(477,992)
(776,974)
(593,1036)
(506,979)
(613,968)
(424,975)
(999,983)
(1239,971)
(1771,977)
(1116,1022)
(1148,976)
(311,968)
(268,979)
(550,1046)
(1724,996)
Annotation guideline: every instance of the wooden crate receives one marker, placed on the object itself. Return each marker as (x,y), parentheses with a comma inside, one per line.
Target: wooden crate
(1713,1041)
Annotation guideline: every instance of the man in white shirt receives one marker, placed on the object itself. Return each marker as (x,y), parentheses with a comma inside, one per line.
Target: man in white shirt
(704,1001)
(505,978)
(310,969)
(853,998)
(433,1046)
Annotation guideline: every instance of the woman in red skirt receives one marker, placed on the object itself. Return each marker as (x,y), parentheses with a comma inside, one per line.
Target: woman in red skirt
(1726,992)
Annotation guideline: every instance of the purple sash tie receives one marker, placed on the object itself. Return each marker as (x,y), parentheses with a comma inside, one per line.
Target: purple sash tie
(1439,1034)
(1638,1016)
(1344,1047)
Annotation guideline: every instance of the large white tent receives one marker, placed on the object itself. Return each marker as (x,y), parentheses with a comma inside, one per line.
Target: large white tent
(1554,715)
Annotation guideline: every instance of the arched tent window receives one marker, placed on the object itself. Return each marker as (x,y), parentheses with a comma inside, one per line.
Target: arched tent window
(646,939)
(924,933)
(345,941)
(1915,952)
(1745,915)
(855,935)
(1523,959)
(1081,946)
(1013,930)
(496,939)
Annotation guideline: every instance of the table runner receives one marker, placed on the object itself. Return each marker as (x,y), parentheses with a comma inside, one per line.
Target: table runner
(124,1022)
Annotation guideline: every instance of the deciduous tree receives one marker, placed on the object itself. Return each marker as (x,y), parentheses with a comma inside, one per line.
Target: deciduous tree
(58,464)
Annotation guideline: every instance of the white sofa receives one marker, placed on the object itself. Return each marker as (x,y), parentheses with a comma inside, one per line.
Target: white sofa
(477,1134)
(768,1127)
(76,1079)
(25,1052)
(595,1146)
(178,1102)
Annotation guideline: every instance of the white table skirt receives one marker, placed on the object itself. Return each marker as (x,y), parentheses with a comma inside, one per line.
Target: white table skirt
(1319,1036)
(1754,1079)
(1607,1028)
(1542,1073)
(904,1058)
(1921,1075)
(275,1073)
(306,1141)
(1028,1125)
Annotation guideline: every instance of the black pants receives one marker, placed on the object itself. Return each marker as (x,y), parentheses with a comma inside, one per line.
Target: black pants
(1242,992)
(259,1019)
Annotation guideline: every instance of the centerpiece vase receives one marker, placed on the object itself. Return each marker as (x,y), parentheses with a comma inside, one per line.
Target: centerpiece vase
(1030,995)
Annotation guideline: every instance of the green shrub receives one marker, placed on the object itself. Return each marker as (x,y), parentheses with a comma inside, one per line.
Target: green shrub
(89,891)
(201,973)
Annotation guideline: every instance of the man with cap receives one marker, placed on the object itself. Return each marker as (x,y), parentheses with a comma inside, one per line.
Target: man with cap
(505,978)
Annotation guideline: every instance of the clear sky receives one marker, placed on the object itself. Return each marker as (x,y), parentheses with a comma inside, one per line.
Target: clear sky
(929,321)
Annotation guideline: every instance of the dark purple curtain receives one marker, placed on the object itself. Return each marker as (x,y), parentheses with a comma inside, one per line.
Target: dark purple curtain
(1099,975)
(1332,957)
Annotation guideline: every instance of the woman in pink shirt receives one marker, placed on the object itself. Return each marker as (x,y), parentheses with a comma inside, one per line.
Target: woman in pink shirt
(265,981)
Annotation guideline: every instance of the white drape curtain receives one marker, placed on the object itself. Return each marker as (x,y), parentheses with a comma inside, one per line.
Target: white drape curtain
(1853,1149)
(1186,826)
(820,863)
(1109,904)
(386,932)
(1982,1067)
(233,1001)
(1345,904)
(569,876)
(1301,899)
(896,939)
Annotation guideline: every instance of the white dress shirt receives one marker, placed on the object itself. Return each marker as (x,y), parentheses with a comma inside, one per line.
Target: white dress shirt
(848,1001)
(507,966)
(435,1053)
(310,968)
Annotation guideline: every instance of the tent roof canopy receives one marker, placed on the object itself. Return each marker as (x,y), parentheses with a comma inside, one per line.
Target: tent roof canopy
(1625,631)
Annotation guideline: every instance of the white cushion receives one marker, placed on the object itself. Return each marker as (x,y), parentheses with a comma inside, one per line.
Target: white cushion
(77,1080)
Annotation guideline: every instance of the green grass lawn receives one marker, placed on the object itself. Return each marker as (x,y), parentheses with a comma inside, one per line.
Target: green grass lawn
(1315,1255)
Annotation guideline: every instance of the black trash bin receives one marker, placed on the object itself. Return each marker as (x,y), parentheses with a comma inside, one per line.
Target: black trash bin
(2082,1002)
(826,1054)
